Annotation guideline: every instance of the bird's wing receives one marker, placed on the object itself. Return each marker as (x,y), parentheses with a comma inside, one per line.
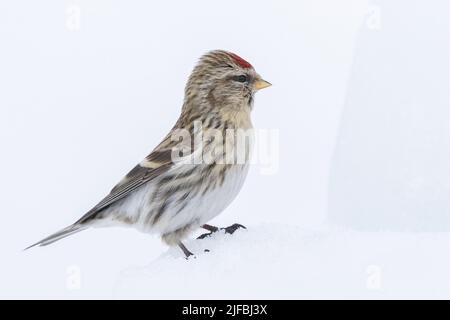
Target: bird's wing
(155,164)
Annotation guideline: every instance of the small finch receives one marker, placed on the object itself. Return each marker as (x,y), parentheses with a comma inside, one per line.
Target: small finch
(198,168)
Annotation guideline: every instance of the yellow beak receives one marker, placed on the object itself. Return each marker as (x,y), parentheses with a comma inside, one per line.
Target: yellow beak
(261,84)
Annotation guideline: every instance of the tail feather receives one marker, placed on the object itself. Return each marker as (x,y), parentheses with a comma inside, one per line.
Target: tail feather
(58,235)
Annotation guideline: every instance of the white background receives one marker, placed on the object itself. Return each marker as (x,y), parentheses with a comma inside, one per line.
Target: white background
(79,107)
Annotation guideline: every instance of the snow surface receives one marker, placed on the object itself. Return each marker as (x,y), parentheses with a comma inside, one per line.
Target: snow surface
(267,261)
(279,261)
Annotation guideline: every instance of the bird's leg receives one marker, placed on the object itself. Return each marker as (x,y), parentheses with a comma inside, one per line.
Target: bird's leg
(186,252)
(230,229)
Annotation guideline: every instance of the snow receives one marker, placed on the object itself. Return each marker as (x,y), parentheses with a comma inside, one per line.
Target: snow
(278,261)
(265,261)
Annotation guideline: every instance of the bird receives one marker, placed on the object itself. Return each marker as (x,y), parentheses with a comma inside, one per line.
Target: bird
(177,189)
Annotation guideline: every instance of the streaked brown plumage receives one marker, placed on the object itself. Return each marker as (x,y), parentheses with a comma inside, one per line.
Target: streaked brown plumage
(170,195)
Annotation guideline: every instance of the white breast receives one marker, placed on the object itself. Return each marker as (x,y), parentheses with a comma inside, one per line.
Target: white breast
(203,208)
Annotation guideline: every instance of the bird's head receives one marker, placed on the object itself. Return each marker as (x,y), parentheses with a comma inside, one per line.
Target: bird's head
(222,82)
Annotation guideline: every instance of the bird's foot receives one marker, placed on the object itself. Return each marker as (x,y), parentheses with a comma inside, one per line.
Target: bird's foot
(204,235)
(230,229)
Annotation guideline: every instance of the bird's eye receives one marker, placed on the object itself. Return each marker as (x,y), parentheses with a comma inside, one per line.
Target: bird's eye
(241,78)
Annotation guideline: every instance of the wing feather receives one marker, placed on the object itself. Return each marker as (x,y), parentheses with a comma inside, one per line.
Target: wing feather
(159,161)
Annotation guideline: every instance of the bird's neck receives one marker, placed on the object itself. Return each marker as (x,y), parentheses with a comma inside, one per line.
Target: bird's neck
(239,118)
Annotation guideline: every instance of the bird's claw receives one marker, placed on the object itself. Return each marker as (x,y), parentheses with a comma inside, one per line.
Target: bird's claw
(203,236)
(230,230)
